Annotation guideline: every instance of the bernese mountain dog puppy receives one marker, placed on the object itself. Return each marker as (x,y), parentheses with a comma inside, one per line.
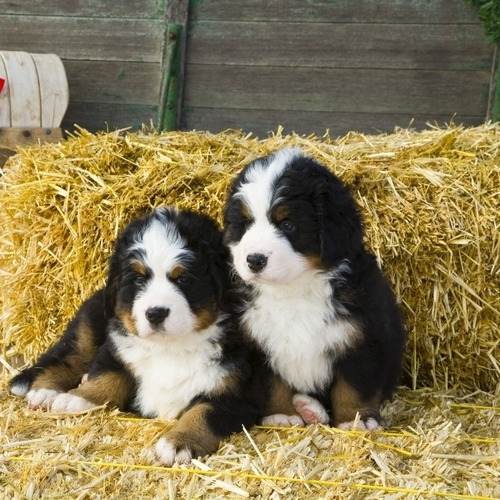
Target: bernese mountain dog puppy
(317,304)
(161,339)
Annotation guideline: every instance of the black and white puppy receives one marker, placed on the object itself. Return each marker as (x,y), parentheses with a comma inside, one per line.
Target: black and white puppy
(160,339)
(318,305)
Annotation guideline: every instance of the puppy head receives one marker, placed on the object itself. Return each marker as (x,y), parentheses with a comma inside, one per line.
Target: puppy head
(166,276)
(287,215)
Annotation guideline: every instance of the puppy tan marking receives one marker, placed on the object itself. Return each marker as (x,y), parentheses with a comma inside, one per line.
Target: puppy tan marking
(347,406)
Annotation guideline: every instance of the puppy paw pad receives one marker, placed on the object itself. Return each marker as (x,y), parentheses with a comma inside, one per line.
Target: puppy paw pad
(310,409)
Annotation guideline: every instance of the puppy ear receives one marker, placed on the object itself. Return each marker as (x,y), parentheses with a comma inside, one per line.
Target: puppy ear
(220,269)
(125,239)
(340,226)
(203,232)
(217,254)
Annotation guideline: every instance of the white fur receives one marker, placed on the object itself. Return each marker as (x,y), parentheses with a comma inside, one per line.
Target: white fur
(297,326)
(283,263)
(160,292)
(370,424)
(65,402)
(161,259)
(41,397)
(281,420)
(168,455)
(171,370)
(20,388)
(256,189)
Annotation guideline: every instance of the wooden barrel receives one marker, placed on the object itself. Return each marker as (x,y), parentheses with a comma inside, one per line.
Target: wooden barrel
(35,91)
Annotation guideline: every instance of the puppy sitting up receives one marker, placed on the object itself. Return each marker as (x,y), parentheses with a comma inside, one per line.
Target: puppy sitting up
(317,304)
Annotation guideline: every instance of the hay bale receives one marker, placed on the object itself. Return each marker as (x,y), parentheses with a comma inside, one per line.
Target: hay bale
(430,201)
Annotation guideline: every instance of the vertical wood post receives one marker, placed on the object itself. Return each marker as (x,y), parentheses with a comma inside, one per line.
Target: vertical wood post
(496,99)
(174,55)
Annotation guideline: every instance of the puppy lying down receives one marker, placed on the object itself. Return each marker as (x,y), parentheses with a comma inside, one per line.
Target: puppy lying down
(161,340)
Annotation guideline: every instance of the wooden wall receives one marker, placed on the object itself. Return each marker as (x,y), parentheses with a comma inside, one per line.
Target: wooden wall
(111,50)
(311,65)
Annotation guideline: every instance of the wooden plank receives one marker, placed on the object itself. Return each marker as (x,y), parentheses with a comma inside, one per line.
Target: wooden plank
(22,89)
(119,82)
(337,90)
(177,12)
(135,9)
(11,138)
(91,39)
(338,11)
(262,122)
(106,116)
(53,88)
(402,46)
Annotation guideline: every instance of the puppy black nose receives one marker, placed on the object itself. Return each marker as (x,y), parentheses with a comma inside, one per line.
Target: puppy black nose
(256,261)
(156,315)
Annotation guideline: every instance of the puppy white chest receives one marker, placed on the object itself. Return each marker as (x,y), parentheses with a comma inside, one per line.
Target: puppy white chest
(298,329)
(170,374)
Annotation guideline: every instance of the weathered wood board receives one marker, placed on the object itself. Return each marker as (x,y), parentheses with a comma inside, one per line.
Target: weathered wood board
(366,65)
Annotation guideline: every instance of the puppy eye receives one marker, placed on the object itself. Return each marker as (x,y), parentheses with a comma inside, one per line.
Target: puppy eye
(139,280)
(287,226)
(182,279)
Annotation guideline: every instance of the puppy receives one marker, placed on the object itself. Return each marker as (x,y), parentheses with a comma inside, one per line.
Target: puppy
(318,305)
(160,340)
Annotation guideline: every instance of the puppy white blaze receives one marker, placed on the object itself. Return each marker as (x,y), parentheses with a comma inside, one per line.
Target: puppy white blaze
(257,189)
(262,237)
(163,249)
(172,371)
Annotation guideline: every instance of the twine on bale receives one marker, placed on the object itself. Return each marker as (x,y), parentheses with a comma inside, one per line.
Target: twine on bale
(431,203)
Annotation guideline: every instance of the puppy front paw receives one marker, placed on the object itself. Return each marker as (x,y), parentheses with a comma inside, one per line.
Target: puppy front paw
(169,452)
(310,409)
(41,398)
(281,420)
(364,424)
(70,403)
